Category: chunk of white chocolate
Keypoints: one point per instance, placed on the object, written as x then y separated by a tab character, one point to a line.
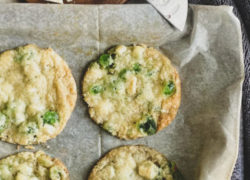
131	85
148	170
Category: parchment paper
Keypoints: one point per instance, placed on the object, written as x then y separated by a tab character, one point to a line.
203	139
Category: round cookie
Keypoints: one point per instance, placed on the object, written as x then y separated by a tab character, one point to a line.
32	166
132	91
37	95
134	163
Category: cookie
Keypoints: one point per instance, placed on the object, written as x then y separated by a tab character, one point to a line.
132	91
37	95
32	166
135	163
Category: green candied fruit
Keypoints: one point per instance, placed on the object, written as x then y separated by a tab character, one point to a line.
50	117
31	130
56	173
137	67
149	126
21	54
169	88
106	60
122	74
114	85
96	89
28	128
150	73
174	171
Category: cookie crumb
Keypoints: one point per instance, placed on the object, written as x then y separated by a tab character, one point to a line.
29	147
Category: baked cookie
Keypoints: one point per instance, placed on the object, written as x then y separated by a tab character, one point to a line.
32	166
134	163
37	95
132	91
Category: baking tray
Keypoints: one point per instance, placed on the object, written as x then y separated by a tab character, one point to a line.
203	139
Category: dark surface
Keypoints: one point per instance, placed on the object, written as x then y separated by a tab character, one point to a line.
242	11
